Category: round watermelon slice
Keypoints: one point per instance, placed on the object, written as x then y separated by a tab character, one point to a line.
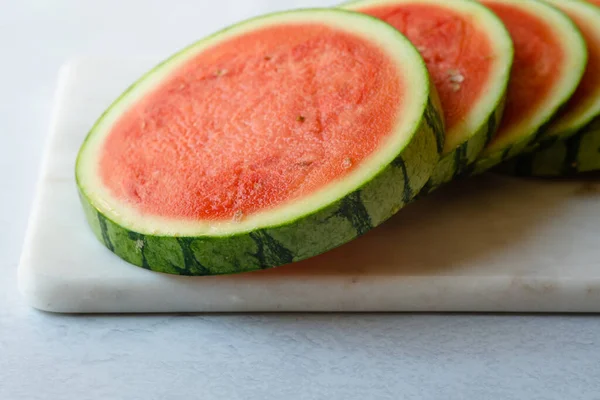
469	54
580	117
550	59
269	142
584	105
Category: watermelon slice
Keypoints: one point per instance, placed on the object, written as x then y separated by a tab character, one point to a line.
580	153
469	55
584	105
269	142
550	59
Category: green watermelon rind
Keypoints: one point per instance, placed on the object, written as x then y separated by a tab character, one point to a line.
565	157
531	137
459	162
341	220
458	157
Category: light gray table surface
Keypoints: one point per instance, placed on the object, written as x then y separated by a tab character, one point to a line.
382	356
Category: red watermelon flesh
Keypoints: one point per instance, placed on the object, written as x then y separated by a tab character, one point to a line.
200	147
589	87
538	65
457	53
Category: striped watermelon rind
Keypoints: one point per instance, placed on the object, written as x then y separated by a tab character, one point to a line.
459	162
567	157
338	214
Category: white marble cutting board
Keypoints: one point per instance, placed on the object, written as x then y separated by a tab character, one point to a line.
488	244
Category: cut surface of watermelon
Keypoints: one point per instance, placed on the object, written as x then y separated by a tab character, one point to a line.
201	146
557	157
550	58
584	105
469	54
269	142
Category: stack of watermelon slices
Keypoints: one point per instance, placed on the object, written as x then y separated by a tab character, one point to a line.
571	142
290	134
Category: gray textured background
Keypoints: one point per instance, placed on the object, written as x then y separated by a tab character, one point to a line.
44	356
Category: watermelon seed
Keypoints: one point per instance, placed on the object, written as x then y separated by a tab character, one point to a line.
238	215
220	72
139	244
457	78
347	163
306	160
267	58
300	118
